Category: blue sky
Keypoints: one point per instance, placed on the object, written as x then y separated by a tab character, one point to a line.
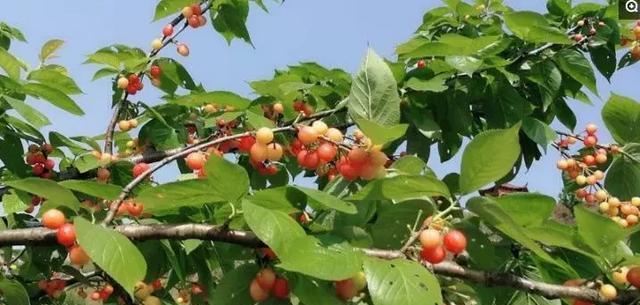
334	33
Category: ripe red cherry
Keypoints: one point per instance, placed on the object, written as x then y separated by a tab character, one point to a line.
633	277
281	288
95	296
103	174
135	209
455	242
49	164
348	171
66	235
311	160
346	289
140	168
196	9
266	279
155	71
38	169
581	302
132	89
421	64
53	219
590	141
196	160
167	30
77	256
435	255
307	135
133	78
268	253
578	37
47	148
194	22
245	143
358	156
327	151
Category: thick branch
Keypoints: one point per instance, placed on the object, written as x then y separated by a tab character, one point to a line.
43	236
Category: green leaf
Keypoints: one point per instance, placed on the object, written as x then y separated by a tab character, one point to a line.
538	131
54	96
93	188
604	58
13	292
168	7
621	115
55	194
389	231
464	64
489	157
314	292
49	48
160	135
402	188
434	84
286	199
86	163
400	281
229	19
374	93
327	200
598	232
104	72
572	62
623	177
55	79
379	134
112	252
527	209
222	98
533	27
451	45
335	262
219	171
410	165
11	203
554	234
169	198
11	155
233	289
275	228
10	64
35	117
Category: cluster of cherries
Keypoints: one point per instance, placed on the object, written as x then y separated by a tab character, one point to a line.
131	84
436	243
130	207
584	27
193	14
65	235
37	157
623	276
266	283
126	125
583	169
214	108
99	294
298	106
53	288
633	44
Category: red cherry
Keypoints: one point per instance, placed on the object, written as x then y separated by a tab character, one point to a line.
132	89
346	289
281	288
135	209
50	164
422	64
633	277
196	161
257	293
455	242
134	78
167	30
578	37
31	159
268	253
95	296
245	143
77	256
38	169
347	170
47	148
327	151
140	168
266	279
590	141
196	9
194	22
358	156
435	255
155	71
66	235
156	284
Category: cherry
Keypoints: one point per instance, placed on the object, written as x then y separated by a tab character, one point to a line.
132	89
636	32
266	279
103	174
124	125
196	160
578	37
95	296
347	170
274	152
346	289
268	253
601	158
581	302
320	127
167	30
455	242
435	255
152	300
259	153
193	21
38	169
135	209
334	135
430	238
591	129
202	20
187	11
245	143
264	136
155	71
360	281
66	235
196	9
589	160
421	64
590	141
307	135
77	256
581	23
281	288
123	83
140	168
608	292
256	292
182	49
308	159
34	148
635	52
156	44
156	284
327	151
633	277
53	219
278	108
49	164
358	156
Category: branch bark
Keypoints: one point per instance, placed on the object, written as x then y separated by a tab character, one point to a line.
43	236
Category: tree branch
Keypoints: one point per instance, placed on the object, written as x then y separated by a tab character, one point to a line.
43	236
